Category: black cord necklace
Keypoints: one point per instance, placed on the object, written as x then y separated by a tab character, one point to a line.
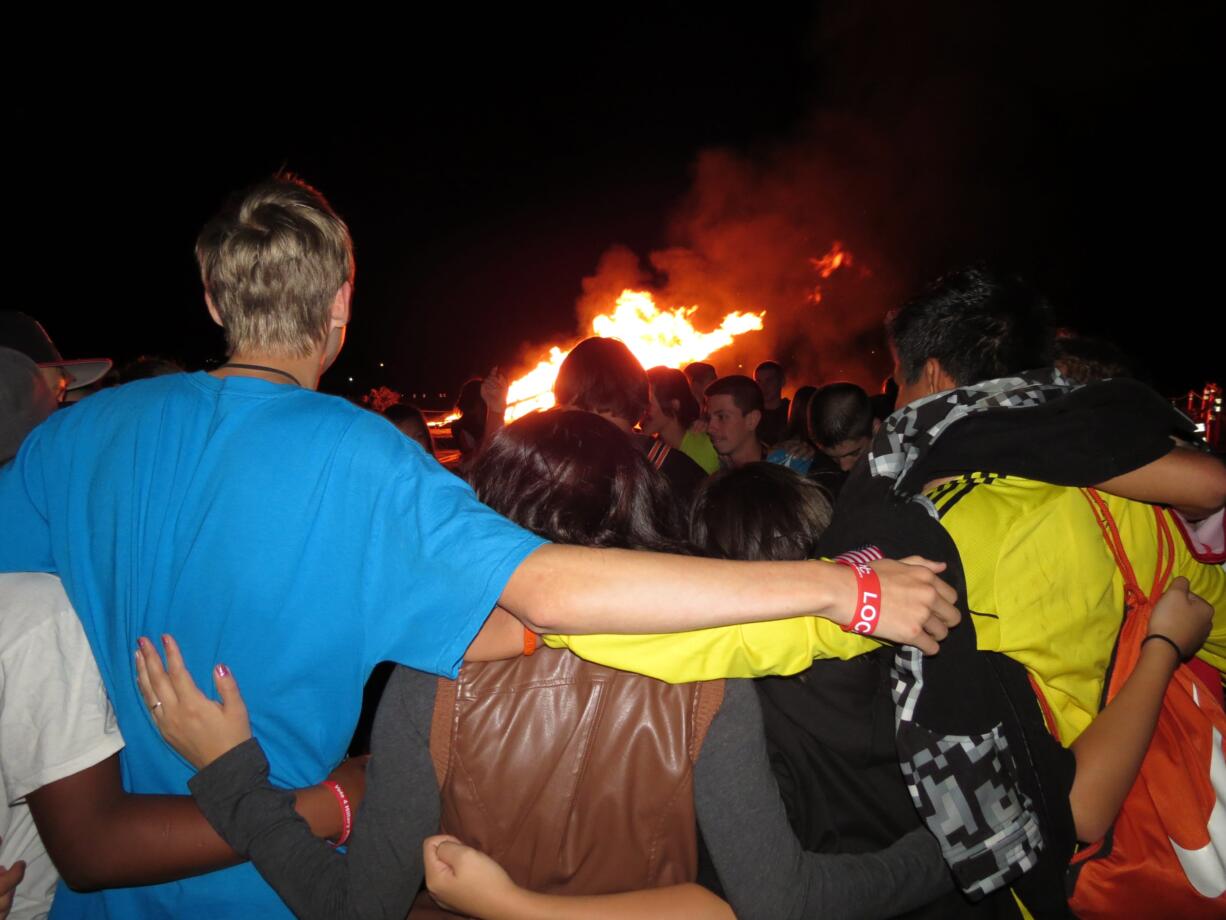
261	367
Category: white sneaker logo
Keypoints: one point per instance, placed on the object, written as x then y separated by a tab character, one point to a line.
1206	867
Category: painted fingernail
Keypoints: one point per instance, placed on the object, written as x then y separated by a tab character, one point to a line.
223	671
165	638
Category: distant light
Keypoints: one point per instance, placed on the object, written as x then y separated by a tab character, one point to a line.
1200	427
380	363
351	380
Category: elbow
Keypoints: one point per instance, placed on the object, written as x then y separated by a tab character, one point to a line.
80	876
1211	493
1090	823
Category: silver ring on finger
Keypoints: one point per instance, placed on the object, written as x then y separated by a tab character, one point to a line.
155	707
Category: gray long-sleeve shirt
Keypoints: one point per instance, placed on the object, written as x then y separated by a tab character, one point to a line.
764	871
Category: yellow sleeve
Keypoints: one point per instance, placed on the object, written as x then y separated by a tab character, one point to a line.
751	650
1208	581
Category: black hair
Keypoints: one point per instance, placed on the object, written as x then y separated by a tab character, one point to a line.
758	511
1083	359
745	393
601	375
770	366
412	424
699	367
671	384
840	412
977	324
572	477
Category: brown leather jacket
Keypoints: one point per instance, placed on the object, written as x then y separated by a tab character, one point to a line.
577	778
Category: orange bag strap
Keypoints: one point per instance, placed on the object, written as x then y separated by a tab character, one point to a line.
1164	564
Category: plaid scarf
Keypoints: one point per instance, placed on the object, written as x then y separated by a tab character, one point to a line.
910	432
965	785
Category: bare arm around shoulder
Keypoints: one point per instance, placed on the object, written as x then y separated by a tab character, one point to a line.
580	590
1109	752
99	836
1191	482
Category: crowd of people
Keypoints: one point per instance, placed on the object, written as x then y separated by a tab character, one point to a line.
680	646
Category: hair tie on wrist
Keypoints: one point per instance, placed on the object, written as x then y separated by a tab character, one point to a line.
868	598
1169	641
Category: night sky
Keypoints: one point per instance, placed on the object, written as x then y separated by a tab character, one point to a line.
485	166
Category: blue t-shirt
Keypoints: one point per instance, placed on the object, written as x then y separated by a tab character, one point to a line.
293	536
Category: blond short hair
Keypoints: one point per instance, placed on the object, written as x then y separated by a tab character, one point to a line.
272	261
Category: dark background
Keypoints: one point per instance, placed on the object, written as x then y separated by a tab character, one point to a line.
485	165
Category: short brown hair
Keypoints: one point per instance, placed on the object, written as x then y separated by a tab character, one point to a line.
746	394
272	261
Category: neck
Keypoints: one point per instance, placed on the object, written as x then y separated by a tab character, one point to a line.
773	403
672	433
306	370
749	452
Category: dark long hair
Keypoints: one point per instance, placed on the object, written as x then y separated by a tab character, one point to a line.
573	477
668	383
758	511
602	375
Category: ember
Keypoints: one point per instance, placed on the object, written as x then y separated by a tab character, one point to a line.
827	265
654	336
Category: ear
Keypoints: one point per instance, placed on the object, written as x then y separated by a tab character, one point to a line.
338	313
752	418
936	378
208	302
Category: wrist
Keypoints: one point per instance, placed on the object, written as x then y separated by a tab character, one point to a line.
838	593
531	905
1157	647
344	811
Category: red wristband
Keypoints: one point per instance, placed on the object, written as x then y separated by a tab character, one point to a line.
346	812
531	641
868	599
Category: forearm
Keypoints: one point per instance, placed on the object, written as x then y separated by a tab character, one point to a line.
1191	482
579	590
149	839
763	869
382	870
685	902
1110	751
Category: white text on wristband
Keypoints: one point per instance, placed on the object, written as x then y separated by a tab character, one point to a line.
868	599
346	812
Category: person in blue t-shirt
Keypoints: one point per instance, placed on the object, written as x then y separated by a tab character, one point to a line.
303	540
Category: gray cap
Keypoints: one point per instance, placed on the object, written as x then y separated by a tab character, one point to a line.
28	336
25	400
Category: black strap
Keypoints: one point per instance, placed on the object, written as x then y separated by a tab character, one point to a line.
261	367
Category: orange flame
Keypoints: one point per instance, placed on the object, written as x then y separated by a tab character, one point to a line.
444	422
653	335
827	265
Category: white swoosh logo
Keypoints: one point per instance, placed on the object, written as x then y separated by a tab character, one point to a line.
1206	867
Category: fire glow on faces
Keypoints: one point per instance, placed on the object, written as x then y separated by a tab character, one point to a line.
729	428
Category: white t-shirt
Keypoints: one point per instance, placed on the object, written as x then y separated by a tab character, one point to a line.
55	720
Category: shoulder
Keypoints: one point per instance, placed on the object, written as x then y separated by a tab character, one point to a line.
31	602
